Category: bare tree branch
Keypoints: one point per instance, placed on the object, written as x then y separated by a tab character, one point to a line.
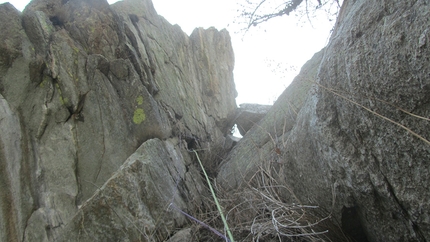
288	8
262	11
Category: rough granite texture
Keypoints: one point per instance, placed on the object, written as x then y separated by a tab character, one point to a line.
355	141
83	85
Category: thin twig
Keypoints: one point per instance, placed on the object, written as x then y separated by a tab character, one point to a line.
199	222
377	114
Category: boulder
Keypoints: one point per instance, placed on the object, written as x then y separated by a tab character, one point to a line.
83	85
139	197
359	145
250	114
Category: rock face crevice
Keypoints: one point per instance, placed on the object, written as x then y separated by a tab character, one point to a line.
83	85
360	139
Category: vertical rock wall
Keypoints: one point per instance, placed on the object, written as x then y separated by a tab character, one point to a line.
359	146
82	86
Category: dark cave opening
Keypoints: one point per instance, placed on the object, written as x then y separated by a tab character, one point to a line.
351	224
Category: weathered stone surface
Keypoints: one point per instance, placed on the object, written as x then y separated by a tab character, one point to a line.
83	85
250	114
16	200
14	189
137	198
355	148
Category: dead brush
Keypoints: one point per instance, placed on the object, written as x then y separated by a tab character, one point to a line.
265	210
262	209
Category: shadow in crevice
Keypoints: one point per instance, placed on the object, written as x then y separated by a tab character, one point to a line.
351	225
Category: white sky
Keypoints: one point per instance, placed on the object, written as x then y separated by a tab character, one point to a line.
282	41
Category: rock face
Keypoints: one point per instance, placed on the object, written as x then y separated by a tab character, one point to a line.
137	198
250	114
359	145
99	106
84	86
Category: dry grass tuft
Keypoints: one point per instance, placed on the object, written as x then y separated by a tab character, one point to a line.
267	211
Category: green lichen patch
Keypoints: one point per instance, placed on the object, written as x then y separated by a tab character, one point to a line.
44	82
139	100
139	116
64	101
